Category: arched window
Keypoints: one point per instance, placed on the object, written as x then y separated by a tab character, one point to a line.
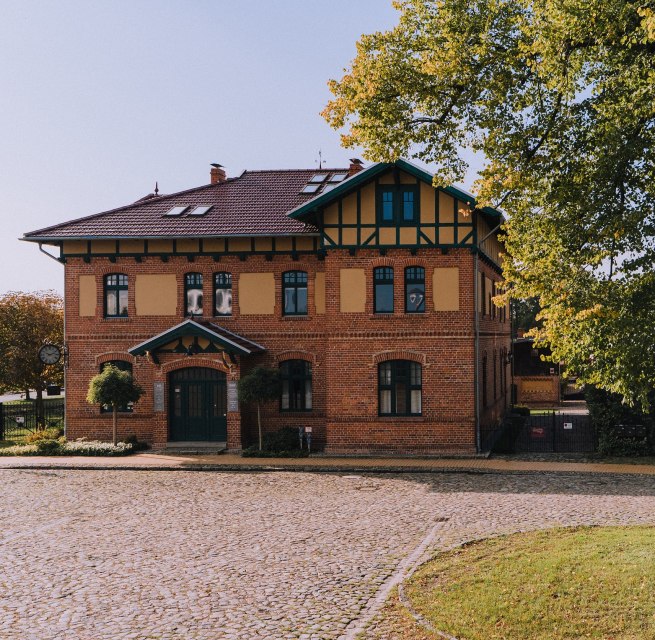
223	294
294	293
115	295
484	381
193	294
296	385
383	290
399	388
415	290
123	366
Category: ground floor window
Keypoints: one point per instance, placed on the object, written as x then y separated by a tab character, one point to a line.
123	366
399	388
296	385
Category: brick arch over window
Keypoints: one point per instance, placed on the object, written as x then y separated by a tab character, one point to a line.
383	356
186	363
115	355
111	268
295	266
382	262
297	355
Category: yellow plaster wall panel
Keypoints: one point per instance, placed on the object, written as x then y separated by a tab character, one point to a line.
103	246
239	244
407	178
331	235
348	236
430	233
256	294
349	209
331	214
283	244
263	244
352	290
188	245
446	208
155	294
445	288
427	203
304	243
213	244
446	235
387	178
160	246
131	246
387	235
319	293
408	235
74	246
87	295
367	203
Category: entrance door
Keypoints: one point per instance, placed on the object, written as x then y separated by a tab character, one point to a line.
198	405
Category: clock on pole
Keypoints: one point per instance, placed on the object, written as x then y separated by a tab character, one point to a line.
49	354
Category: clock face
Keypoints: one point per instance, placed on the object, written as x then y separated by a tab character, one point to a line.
49	354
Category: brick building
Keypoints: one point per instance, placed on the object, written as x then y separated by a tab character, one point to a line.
368	288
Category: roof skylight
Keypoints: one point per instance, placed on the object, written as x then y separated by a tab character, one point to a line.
338	177
319	177
311	188
200	211
176	211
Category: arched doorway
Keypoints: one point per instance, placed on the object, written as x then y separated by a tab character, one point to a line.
197	405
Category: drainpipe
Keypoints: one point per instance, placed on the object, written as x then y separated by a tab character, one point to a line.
476	329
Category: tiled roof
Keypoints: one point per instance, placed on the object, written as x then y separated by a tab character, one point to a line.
255	203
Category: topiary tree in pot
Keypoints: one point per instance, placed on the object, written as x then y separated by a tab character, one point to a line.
115	388
260	385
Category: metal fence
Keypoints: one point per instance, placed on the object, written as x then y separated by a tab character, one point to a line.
547	433
19	419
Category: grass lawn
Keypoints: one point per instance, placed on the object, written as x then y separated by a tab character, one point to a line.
545	585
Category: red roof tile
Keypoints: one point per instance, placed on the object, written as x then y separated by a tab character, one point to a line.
255	203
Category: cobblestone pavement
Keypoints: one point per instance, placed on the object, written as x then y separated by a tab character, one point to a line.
94	555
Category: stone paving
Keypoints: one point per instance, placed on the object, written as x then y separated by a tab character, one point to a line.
94	555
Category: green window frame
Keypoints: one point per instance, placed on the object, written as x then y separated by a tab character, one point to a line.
115	295
222	293
383	290
294	293
414	290
123	365
398	205
296	377
400	388
193	295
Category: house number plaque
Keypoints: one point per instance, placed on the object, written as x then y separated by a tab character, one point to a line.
158	396
232	397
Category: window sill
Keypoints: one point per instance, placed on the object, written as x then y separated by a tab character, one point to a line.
413	418
296	318
116	318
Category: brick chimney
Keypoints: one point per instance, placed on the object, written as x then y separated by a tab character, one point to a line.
356	166
217	174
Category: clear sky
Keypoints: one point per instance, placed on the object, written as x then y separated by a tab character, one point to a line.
98	100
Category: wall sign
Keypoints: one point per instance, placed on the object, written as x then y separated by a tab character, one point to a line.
232	396
568	425
158	396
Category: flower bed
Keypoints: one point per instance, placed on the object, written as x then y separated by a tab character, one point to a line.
62	447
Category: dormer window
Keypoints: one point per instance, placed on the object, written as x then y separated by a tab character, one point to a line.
397	204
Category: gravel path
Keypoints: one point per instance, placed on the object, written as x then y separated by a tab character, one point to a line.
94	555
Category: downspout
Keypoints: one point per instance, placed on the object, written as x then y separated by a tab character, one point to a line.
476	329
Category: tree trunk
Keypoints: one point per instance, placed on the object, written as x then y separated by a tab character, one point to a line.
115	425
27	394
259	424
40	419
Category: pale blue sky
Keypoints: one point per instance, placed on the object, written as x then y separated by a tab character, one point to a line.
100	99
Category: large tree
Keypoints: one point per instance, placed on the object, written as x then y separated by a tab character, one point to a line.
559	97
27	321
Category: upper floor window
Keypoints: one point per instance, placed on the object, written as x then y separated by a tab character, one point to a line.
193	294
296	385
399	388
123	366
115	295
398	204
415	290
294	293
383	290
223	294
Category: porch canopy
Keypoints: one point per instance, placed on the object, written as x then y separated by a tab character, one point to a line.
194	337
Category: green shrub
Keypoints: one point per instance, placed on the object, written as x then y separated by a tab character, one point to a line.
137	445
520	410
49	446
283	443
44	434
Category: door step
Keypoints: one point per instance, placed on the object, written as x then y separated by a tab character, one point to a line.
196	448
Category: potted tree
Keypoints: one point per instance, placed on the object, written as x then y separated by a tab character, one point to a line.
260	385
115	388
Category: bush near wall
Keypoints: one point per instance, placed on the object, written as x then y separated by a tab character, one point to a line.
615	422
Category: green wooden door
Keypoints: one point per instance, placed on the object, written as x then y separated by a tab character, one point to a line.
198	405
